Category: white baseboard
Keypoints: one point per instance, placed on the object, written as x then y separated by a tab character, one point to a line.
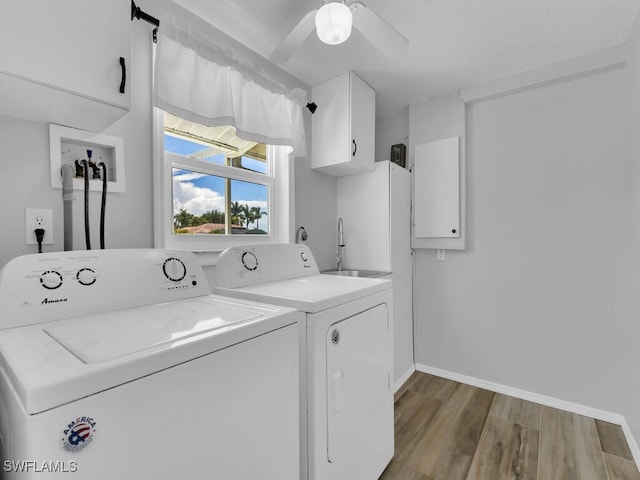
577	408
405	376
631	441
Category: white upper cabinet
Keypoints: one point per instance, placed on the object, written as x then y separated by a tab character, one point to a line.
64	61
344	126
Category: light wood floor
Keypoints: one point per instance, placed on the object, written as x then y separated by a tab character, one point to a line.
450	431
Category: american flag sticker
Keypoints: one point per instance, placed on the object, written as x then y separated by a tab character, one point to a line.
78	434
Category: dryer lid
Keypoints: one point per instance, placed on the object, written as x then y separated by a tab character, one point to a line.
311	294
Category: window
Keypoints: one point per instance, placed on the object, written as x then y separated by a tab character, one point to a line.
214	190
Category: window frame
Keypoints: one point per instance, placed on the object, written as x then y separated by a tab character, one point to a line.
173	160
208	247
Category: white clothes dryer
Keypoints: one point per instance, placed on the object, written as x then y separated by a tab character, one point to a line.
345	355
122	364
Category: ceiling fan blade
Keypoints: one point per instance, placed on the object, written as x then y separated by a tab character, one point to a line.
378	31
294	39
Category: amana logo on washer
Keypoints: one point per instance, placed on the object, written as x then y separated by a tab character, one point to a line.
46	301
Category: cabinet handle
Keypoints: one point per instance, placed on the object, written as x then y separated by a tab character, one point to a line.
355	148
123	80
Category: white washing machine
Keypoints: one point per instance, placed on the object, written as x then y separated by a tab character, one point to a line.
345	354
121	364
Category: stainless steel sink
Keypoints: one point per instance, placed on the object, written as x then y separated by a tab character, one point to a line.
356	273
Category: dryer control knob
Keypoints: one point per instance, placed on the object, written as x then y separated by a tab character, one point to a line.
174	269
249	261
86	276
51	279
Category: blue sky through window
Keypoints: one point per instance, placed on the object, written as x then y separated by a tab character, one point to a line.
198	193
180	146
254	165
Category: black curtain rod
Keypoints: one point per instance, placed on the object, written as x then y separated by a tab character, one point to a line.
136	12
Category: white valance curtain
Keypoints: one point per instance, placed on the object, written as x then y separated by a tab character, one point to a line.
200	80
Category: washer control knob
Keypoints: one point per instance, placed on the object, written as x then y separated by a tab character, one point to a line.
51	279
249	261
303	256
86	276
174	269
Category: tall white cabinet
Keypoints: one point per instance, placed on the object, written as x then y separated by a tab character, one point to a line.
376	212
65	62
343	126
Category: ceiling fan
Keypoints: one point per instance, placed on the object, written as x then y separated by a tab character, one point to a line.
333	21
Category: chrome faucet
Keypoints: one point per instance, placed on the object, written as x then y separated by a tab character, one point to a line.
341	244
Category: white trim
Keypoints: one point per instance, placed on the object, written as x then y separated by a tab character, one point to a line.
185	163
403	379
283	193
604	60
631	441
525	395
576	408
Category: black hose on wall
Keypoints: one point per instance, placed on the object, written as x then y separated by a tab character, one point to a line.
87	236
104	202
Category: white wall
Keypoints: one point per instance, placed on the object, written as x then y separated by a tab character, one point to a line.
391	130
25	177
317	211
25	181
633	175
540	298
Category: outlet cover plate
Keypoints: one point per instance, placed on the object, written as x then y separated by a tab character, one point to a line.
38	218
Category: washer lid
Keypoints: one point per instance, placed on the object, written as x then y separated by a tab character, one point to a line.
51	364
309	294
106	336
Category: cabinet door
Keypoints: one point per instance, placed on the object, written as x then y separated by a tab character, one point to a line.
330	124
343	126
71	45
363	123
436	190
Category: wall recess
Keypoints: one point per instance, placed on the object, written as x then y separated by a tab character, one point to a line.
69	144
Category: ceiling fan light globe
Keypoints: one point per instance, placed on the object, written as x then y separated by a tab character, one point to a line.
333	23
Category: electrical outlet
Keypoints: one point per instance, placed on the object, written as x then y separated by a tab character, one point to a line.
441	255
39	218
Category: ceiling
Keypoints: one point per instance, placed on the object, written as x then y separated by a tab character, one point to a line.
452	43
